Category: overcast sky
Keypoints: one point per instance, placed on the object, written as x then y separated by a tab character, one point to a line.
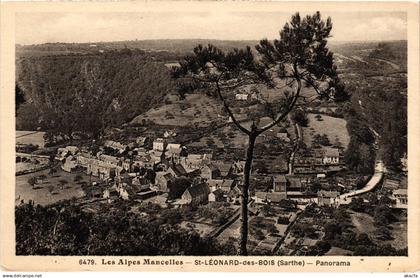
34	28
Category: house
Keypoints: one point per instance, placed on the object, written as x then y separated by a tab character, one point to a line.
193	162
401	198
331	156
294	184
238	167
83	159
177	170
70	164
327	198
156	157
276	197
196	194
110	160
224	184
115	146
216	196
159	144
242	96
391	184
260	197
110	192
279	183
235	193
103	171
163	180
224	167
169	133
142	141
209	172
62	153
227	185
141	182
283	136
215	184
126	164
72	149
173	151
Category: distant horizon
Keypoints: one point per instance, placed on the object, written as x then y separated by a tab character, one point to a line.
200	39
236	25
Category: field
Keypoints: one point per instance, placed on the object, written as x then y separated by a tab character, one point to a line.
334	128
41	194
30	137
194	109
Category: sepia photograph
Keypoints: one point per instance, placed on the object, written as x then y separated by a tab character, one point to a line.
211	132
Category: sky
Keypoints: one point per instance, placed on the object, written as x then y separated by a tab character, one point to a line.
43	27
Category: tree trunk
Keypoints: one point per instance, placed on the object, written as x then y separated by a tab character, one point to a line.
245	194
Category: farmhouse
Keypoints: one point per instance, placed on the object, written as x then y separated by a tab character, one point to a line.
196	194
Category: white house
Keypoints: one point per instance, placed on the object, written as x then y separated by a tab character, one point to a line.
241	96
331	156
400	196
159	144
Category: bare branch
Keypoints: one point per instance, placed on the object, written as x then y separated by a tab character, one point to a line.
281	116
232	116
313	85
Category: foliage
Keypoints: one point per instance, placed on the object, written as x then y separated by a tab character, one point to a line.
76	93
321	140
68	230
299	116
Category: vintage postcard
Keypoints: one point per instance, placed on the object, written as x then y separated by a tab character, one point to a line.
210	136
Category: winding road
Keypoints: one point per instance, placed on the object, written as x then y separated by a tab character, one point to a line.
370	185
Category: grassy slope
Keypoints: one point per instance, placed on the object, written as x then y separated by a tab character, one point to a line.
332	127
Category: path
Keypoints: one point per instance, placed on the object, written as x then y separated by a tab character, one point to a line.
370	185
393	65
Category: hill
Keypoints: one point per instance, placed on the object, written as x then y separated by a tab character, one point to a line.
87	93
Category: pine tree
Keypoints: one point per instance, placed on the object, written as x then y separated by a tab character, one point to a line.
299	57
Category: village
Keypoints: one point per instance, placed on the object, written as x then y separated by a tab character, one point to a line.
154	171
